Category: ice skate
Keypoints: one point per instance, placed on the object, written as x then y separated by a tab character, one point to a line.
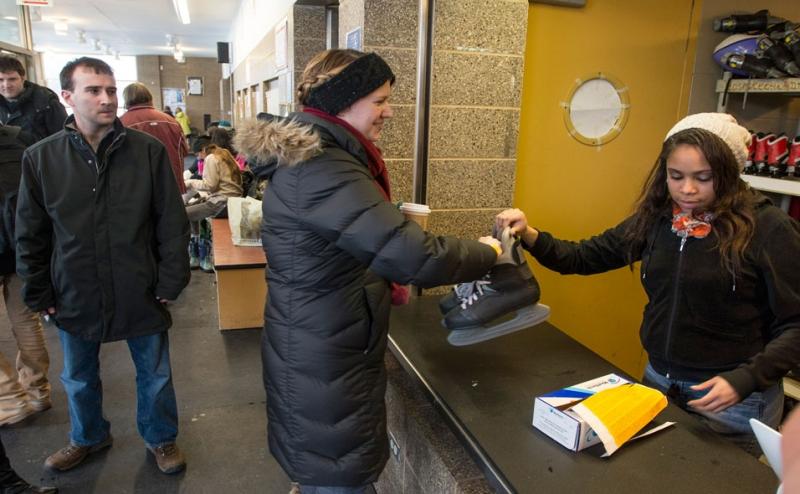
480	310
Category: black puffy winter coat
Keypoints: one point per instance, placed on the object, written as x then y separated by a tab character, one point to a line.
333	243
101	235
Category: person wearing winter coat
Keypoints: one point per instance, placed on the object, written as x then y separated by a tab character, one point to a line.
33	108
720	268
29	112
221	180
102	239
334	244
183	120
143	116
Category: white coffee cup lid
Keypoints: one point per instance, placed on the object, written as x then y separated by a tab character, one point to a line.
411	207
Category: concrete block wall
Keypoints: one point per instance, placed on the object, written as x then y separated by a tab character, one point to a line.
478	55
159	72
428	457
389	28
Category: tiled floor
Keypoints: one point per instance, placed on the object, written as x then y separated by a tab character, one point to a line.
221	404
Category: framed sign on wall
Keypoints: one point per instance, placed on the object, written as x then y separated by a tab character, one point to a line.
195	85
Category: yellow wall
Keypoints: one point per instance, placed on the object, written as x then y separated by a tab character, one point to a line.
575	191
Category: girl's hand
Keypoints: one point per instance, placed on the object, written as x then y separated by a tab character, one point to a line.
516	220
720	396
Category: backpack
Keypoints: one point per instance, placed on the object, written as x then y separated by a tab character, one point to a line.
13	143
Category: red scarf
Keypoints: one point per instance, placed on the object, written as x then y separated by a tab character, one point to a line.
375	160
686	225
377	169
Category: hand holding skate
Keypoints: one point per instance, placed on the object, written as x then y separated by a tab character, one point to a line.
516	220
508	287
493	243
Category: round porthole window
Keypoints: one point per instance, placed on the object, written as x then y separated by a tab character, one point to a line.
596	109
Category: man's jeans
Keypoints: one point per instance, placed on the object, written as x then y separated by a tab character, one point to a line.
156	411
733	422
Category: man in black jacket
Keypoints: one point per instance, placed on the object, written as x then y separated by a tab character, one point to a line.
31	107
102	241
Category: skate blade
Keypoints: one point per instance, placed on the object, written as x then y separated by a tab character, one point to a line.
525	318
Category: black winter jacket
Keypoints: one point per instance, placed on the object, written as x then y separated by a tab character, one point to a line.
333	244
13	142
700	320
36	110
100	236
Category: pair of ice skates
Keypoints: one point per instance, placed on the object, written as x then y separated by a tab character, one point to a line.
477	311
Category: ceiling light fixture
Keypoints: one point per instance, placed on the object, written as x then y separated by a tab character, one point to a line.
81	36
9	18
95	44
182	10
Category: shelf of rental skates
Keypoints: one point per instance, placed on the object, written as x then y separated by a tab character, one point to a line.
760	173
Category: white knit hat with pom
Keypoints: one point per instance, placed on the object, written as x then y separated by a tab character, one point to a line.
724	126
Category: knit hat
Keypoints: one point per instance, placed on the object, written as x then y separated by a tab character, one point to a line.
361	77
723	126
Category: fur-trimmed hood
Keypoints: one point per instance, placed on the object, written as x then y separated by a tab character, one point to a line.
271	138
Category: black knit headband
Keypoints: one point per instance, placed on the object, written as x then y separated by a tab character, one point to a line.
361	77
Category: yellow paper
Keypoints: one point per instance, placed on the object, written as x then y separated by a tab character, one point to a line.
617	414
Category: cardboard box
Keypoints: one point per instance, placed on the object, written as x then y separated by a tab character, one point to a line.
552	414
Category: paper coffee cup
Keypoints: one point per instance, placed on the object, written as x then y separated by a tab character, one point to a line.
418	213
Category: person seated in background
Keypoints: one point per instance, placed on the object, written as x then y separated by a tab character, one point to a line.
223	138
722	324
168	111
221	179
196	169
142	116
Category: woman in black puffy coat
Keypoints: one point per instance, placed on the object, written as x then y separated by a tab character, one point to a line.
334	244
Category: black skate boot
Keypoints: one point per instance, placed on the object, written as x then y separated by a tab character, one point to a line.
508	287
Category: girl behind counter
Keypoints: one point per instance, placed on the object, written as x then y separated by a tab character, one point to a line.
721	269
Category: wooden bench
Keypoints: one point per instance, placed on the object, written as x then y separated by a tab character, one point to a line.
241	282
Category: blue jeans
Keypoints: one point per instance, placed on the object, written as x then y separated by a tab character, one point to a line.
156	411
733	422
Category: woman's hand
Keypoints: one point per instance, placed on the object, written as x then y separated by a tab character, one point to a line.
720	396
493	243
516	219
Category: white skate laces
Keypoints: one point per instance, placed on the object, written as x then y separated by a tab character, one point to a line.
468	293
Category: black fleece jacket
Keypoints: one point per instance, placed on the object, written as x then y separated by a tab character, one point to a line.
701	320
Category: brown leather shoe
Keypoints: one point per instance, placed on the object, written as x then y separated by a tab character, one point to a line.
71	456
169	458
